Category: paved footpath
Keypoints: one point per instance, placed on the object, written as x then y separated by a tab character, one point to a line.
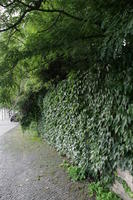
5	126
30	170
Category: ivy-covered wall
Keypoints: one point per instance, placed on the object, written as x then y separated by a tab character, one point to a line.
89	118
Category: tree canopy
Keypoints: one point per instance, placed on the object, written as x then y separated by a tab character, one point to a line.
41	41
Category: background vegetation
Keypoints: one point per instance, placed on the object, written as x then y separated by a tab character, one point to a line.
66	66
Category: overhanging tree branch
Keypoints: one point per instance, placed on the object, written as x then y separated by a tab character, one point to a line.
7	5
36	5
61	12
16	23
51	26
32	8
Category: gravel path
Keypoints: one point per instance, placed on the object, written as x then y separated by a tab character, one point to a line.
30	170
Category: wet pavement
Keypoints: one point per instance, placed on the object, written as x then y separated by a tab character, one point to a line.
6	125
30	170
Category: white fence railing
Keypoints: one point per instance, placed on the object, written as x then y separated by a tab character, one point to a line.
4	114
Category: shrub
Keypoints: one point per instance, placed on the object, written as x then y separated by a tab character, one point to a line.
89	118
33	128
101	193
76	173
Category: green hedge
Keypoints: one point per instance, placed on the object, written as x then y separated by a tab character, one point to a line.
89	117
